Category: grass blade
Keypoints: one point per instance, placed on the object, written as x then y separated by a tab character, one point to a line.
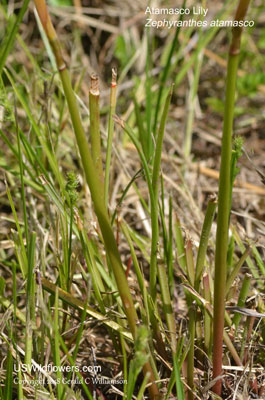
7	47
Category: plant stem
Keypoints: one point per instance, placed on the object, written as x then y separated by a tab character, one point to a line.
236	269
95	124
181	254
190	262
113	91
167	306
242	298
224	199
30	308
190	358
57	359
69	274
191	104
207	319
204	238
155	186
192	320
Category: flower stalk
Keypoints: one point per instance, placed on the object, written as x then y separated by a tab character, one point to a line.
95	125
113	94
224	199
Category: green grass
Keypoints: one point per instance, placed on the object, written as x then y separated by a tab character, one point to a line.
107	258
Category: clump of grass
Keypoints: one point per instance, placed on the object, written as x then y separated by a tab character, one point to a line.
92	165
85	258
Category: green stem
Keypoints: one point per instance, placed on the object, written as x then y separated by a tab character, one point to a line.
190	359
222	223
155	186
207	318
95	124
191	103
69	275
21	171
57	359
113	91
190	262
236	269
242	298
192	320
208	220
30	308
167	306
224	200
181	254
